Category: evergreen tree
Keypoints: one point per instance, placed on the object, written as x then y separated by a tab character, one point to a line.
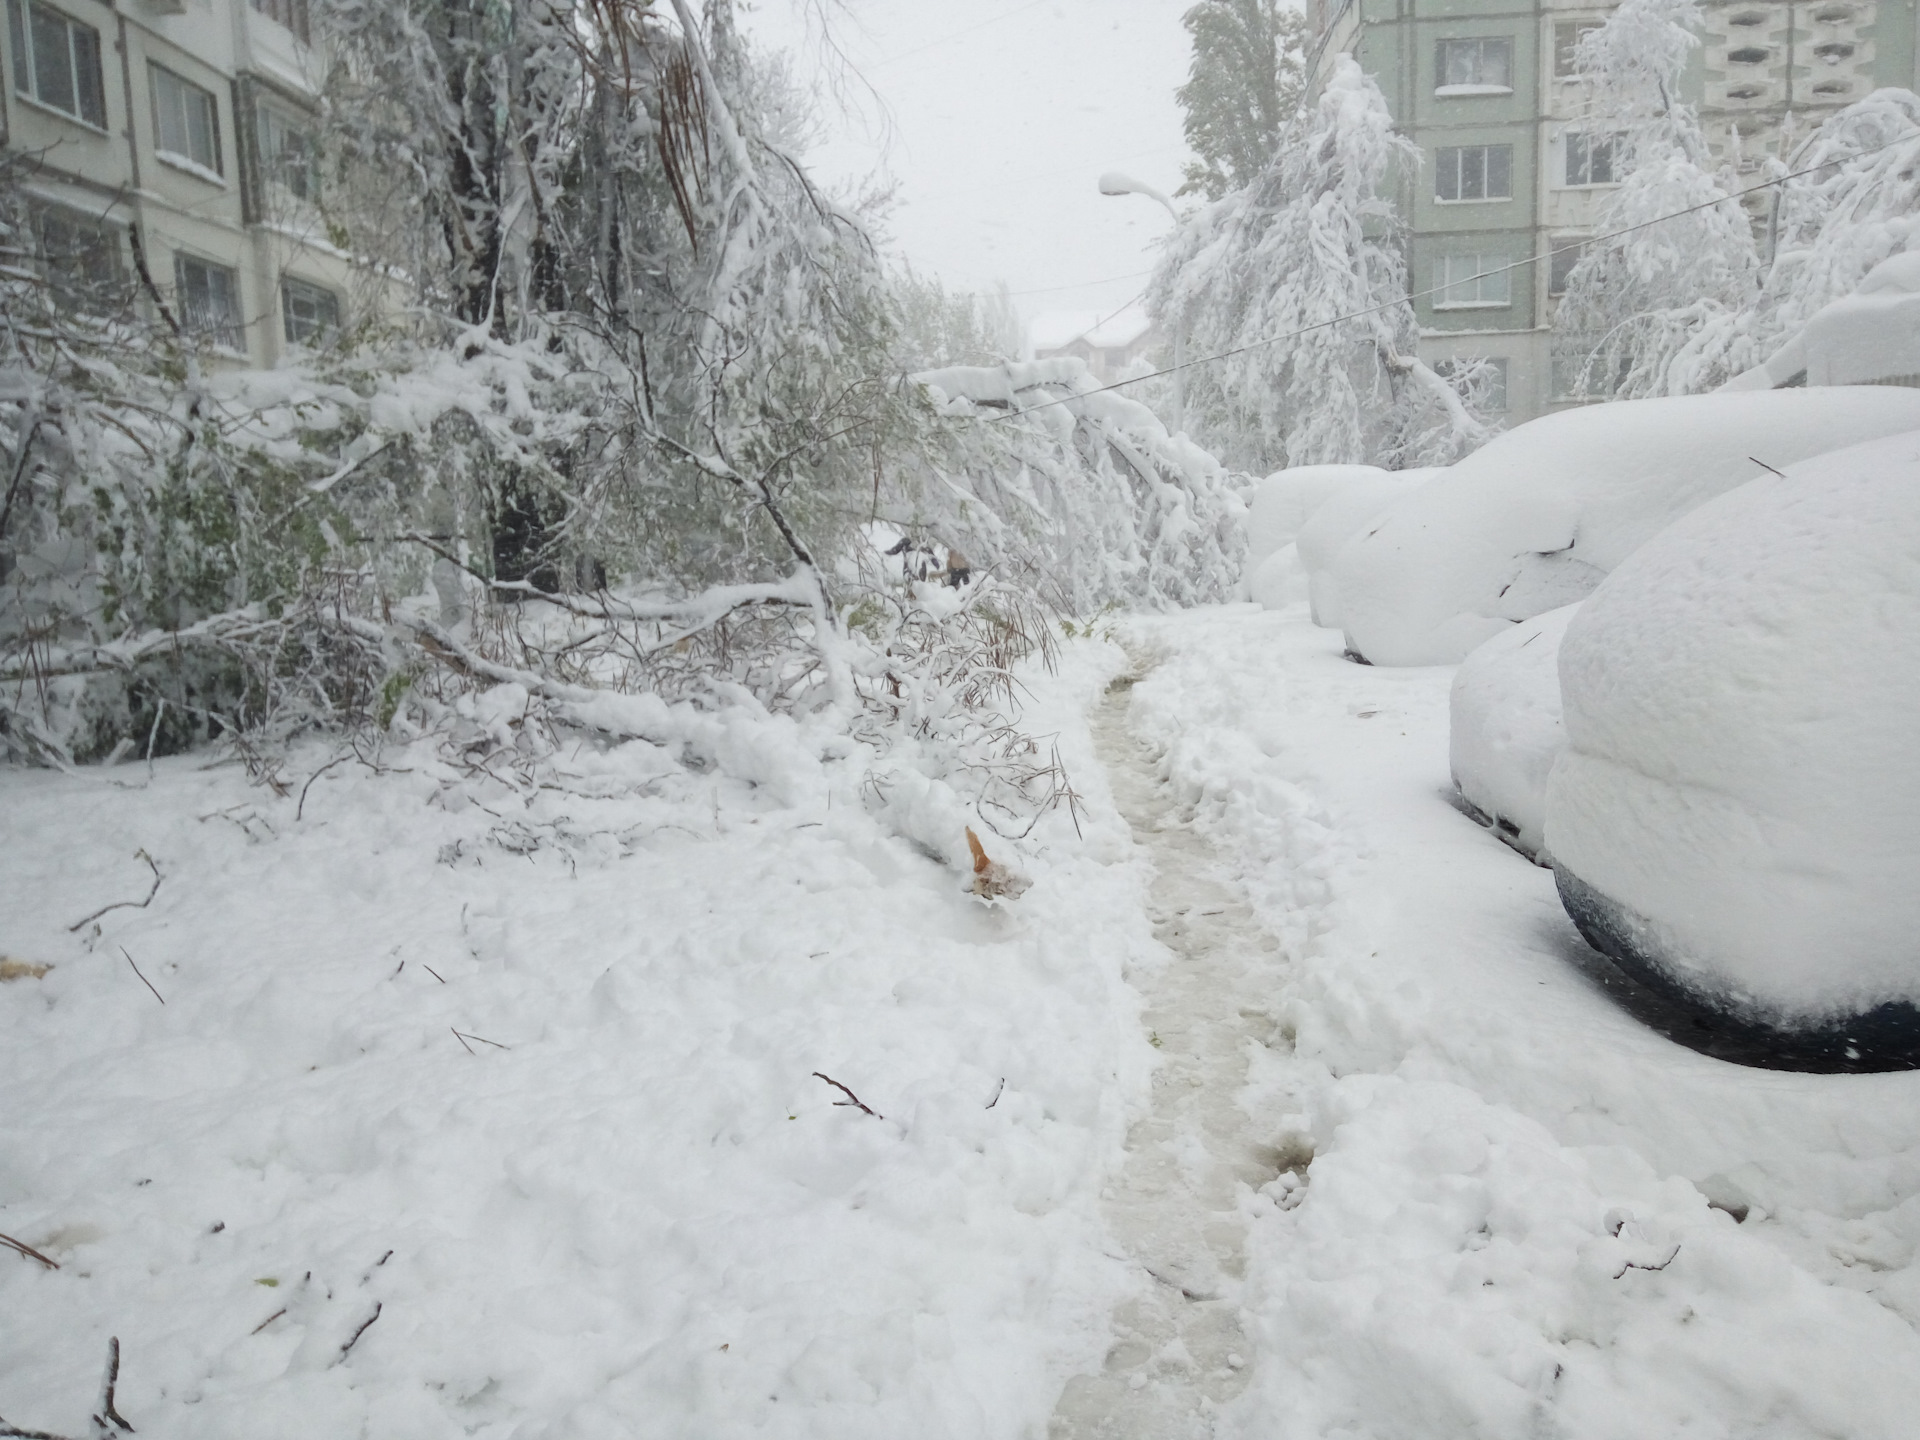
1245	84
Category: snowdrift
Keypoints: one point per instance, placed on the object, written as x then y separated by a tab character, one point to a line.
1283	503
1505	730
1737	817
1537	518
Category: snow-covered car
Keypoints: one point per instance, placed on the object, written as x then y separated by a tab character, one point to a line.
1504	729
1337	520
1871	337
1736	818
1539	516
1282	505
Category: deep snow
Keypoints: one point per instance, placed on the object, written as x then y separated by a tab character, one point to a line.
1476	1191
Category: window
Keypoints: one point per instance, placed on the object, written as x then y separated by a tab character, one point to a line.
1481	381
57	61
311	314
1460	282
1473	172
209	297
290	13
186	124
80	257
1566	254
1474	66
1590	159
288	159
1567	35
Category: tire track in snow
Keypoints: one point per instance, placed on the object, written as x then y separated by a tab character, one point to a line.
1178	1352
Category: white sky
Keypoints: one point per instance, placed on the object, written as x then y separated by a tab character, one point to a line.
1000	117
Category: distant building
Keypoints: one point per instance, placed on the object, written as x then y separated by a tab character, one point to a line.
188	124
1486	89
1109	344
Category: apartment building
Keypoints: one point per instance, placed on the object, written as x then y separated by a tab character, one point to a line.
171	141
1515	166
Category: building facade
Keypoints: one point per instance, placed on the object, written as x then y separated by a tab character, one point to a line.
1514	168
166	153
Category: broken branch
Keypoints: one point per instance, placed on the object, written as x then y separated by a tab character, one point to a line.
852	1099
143	979
379	1305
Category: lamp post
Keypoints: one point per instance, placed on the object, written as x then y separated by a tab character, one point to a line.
1115	183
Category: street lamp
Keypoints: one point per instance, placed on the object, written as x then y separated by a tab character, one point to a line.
1115	183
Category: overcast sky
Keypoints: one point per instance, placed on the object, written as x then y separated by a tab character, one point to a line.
999	118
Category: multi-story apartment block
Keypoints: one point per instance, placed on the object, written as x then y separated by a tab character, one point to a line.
1515	165
171	142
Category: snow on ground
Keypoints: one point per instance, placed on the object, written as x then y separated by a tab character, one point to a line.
1486	1115
623	1204
613	1227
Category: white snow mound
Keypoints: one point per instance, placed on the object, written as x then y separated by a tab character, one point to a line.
1342	516
1537	518
1868	336
1505	731
1740	699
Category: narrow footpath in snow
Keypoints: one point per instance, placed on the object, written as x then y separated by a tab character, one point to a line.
1178	1351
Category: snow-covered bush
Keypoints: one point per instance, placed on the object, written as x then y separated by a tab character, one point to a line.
1737	816
1298	282
1538	518
1504	730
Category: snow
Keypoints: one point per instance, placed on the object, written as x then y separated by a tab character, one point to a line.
1504	730
1338	520
644	1211
1536	519
1452	1183
1740	701
1282	505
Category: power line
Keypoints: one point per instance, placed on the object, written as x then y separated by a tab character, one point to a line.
1436	289
1084	285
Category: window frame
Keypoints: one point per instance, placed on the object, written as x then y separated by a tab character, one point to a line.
1590	143
273	124
22	37
1444	86
70	285
1565	49
293	16
159	77
1563	253
322	332
228	332
1471	264
1458	154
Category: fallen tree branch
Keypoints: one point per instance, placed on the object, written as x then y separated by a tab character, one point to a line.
125	904
27	1251
106	1413
852	1099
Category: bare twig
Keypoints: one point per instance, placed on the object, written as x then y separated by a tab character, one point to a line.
1765	466
143	979
852	1099
268	1321
27	1251
998	1090
471	1051
15	1431
1636	1265
463	1037
354	1339
301	808
109	1385
433	972
124	904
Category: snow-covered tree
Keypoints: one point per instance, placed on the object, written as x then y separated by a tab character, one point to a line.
1298	284
1244	85
1636	303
